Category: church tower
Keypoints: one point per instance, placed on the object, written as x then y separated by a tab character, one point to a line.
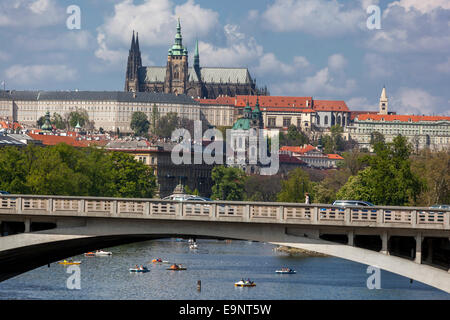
383	102
134	63
177	66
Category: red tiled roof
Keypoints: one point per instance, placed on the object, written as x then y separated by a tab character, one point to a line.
354	114
330	105
286	158
398	117
9	125
219	101
298	149
274	101
51	140
334	156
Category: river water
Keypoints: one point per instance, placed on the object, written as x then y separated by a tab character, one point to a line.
218	265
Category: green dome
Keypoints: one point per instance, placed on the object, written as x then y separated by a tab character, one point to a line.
242	124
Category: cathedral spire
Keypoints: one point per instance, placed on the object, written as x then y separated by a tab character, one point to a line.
196	56
178	49
383	102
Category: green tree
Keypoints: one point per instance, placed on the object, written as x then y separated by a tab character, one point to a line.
294	188
80	116
139	123
58	121
293	137
388	179
154	118
434	167
228	183
262	188
167	124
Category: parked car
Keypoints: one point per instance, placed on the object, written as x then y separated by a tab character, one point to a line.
347	203
4	192
441	206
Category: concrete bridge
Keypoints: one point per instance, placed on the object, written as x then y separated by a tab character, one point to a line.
410	241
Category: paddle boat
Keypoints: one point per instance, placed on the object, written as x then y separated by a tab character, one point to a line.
176	267
69	262
193	246
159	260
140	269
286	271
244	283
103	253
97	253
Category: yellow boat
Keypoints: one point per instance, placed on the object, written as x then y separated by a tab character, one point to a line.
245	284
65	262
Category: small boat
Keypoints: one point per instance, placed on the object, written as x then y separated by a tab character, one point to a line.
191	241
103	253
193	246
69	262
176	267
139	270
243	283
286	271
159	260
98	253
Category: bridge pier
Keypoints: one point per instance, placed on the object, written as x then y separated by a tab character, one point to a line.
384	243
27	225
418	238
350	236
429	258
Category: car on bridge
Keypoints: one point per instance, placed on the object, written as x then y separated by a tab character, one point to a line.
4	192
441	206
348	203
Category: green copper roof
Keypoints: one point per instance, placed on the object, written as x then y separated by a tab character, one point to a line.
242	124
47	126
178	49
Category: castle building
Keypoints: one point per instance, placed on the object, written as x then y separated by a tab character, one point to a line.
179	78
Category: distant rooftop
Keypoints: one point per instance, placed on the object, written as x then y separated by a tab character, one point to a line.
119	96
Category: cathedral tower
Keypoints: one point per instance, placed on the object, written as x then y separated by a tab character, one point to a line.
134	63
177	66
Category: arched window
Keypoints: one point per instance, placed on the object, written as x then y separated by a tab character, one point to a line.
326	120
318	120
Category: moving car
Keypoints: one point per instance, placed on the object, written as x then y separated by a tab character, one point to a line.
347	203
4	192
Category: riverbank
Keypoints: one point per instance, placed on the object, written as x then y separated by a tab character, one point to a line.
298	251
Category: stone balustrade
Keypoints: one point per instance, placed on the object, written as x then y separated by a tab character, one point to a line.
265	212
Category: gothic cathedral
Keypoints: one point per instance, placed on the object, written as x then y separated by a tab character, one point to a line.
178	78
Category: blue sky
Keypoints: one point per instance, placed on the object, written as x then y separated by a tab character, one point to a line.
319	48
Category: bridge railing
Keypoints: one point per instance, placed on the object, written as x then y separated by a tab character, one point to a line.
417	217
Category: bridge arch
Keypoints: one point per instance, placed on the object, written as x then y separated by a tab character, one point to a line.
23	252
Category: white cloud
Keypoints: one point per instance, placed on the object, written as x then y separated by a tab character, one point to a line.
108	55
239	51
31	13
421	5
156	21
337	61
35	74
415	101
378	66
361	103
412	26
444	67
317	17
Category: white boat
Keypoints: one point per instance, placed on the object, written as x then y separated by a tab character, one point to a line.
103	253
243	283
286	271
193	246
139	270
